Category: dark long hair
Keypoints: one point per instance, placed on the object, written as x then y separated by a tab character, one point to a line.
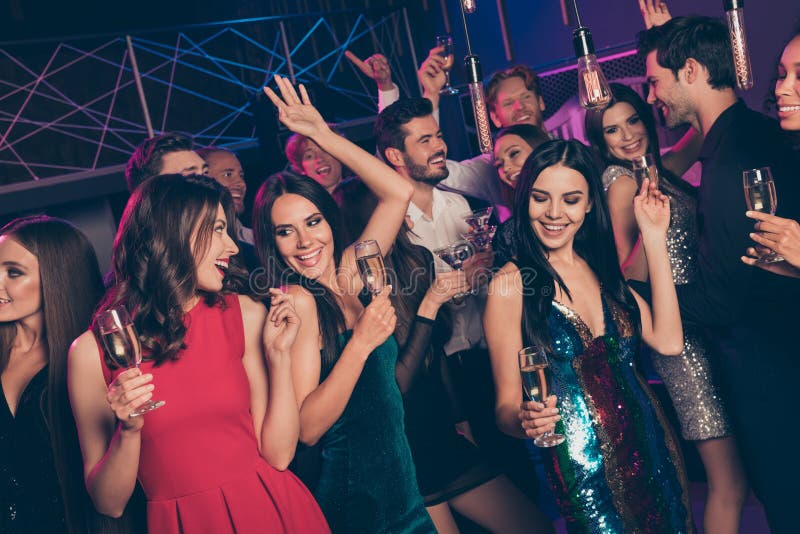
594	241
277	272
70	287
594	132
153	261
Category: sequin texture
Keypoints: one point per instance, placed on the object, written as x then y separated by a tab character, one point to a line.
688	377
619	469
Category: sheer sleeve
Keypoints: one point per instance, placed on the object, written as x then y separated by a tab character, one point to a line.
413	353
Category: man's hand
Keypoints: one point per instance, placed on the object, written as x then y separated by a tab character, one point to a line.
375	67
431	75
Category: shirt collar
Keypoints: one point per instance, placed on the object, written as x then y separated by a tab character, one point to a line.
719	129
440	200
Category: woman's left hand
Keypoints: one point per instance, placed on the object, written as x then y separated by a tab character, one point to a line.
282	326
296	112
651	209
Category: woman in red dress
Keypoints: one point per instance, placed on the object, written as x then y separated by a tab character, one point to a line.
214	458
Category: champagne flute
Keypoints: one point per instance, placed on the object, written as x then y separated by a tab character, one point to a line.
537	384
445	41
645	167
121	343
370	265
760	195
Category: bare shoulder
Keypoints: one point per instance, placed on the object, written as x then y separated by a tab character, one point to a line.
303	299
505	280
84	347
251	308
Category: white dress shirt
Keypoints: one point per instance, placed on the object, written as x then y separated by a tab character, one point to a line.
445	228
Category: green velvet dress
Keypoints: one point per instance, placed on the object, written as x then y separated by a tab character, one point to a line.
368	483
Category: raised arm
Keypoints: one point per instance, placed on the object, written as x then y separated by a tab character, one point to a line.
620	206
684	153
393	191
661	325
654	12
267	362
110	439
377	68
322	403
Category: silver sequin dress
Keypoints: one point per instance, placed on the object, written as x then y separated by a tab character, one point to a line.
688	377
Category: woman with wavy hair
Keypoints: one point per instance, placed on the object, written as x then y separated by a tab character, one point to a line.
49	285
345	357
619	468
212	459
624	129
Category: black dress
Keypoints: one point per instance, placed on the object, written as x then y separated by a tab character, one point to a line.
31	498
447	464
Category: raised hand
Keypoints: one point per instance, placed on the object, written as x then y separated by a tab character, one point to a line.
375	67
282	326
126	394
651	209
431	74
654	12
478	268
296	112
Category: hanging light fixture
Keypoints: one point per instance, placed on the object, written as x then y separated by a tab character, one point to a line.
475	84
593	89
734	13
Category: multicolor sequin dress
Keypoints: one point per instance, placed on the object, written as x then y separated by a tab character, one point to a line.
688	378
619	470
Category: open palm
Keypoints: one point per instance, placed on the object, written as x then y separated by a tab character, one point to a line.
296	112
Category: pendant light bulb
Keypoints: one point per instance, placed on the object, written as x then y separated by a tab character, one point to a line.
593	89
734	13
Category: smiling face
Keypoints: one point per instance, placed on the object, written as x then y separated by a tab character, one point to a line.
20	284
303	237
558	206
787	88
425	155
212	263
320	166
516	104
510	153
225	168
624	132
667	93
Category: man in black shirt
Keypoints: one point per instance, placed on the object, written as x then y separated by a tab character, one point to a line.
747	312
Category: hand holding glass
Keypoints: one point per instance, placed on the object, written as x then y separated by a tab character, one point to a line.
446	43
370	265
645	167
455	255
760	195
122	347
537	384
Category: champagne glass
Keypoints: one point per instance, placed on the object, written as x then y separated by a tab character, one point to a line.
537	384
370	265
478	219
645	167
122	347
446	42
760	195
455	255
481	239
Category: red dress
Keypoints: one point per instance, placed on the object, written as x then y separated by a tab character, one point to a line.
199	463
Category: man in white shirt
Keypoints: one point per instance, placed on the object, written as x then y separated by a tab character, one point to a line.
409	139
512	95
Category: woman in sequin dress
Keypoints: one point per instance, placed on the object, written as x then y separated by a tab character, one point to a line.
619	469
621	131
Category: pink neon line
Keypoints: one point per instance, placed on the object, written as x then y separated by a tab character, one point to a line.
110	109
600	60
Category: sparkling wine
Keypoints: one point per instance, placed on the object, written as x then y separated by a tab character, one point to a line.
761	196
122	347
373	272
448	62
536	381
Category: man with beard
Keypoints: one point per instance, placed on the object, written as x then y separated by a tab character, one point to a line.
409	139
749	313
512	96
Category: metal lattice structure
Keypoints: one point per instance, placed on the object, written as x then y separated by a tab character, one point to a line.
72	105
